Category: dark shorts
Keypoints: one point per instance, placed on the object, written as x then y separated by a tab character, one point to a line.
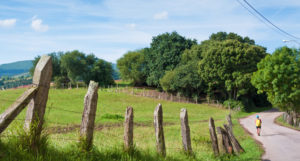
258	127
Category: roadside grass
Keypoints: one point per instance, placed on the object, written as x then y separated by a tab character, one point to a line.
63	118
279	120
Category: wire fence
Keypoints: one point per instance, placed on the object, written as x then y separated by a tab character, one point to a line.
68	127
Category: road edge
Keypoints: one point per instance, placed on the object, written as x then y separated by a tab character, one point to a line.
281	124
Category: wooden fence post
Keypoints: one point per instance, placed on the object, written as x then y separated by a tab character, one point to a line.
228	118
213	136
185	131
159	131
12	112
88	116
128	129
235	144
223	141
37	106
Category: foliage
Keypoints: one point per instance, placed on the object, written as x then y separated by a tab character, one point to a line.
184	79
164	54
132	67
227	66
278	76
76	66
222	36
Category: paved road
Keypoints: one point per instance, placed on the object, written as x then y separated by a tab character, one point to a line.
280	143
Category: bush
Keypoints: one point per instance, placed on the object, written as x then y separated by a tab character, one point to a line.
234	104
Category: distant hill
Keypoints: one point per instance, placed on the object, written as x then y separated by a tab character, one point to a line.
15	68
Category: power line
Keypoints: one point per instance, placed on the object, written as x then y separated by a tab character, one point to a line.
253	14
267	20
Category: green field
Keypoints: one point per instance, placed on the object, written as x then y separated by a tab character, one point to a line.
63	117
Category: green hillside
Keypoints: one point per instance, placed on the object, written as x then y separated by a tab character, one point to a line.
19	67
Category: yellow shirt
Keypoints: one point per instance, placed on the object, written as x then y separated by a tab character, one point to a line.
258	122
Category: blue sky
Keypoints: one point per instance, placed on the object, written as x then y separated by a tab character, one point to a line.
110	28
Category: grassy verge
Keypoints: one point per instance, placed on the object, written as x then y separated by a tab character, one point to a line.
63	117
279	120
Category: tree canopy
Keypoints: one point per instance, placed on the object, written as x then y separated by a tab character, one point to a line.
279	76
132	67
164	54
228	65
76	66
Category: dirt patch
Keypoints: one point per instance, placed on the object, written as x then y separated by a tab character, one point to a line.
98	127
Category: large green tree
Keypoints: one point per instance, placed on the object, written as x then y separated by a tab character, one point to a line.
74	63
227	66
279	76
185	78
132	67
164	54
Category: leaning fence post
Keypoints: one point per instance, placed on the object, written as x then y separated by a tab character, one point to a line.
235	144
228	118
128	129
185	131
223	141
159	131
88	116
213	136
37	106
13	111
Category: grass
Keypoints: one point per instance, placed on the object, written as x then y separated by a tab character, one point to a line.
279	120
63	118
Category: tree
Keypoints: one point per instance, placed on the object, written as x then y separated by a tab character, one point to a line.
101	72
132	67
164	54
55	64
279	76
227	66
185	78
74	63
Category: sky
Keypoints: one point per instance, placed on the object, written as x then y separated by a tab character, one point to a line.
110	28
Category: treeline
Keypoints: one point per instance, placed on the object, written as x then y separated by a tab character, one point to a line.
71	67
219	68
14	81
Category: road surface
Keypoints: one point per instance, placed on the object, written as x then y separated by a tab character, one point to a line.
280	143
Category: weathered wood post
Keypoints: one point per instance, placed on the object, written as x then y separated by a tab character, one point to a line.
228	118
213	136
159	131
37	106
223	141
128	129
88	116
237	148
12	112
185	131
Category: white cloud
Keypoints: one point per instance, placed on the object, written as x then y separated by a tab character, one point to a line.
8	23
37	25
131	26
161	16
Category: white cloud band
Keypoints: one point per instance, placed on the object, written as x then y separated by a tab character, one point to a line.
8	23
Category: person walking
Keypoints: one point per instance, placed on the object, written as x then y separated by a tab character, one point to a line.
258	125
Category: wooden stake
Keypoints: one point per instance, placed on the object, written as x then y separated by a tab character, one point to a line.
185	131
128	129
159	131
88	116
